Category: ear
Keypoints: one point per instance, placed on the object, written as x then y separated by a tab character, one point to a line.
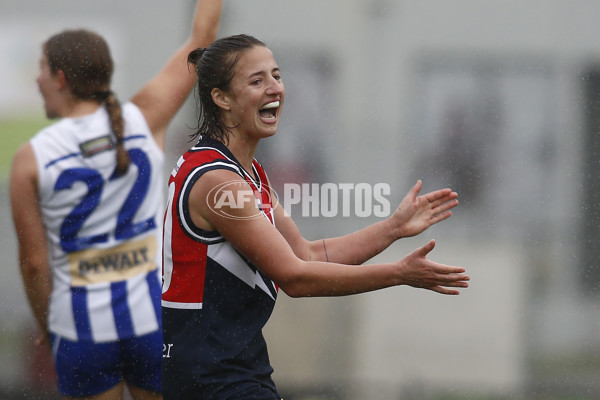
61	80
221	99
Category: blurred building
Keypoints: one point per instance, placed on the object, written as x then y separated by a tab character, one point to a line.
497	99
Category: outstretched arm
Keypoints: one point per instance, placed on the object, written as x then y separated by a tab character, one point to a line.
414	215
261	243
160	99
29	227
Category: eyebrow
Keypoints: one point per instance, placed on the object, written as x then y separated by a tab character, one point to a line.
257	73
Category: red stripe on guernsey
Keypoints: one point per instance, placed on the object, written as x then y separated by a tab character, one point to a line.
187	281
184	262
262	191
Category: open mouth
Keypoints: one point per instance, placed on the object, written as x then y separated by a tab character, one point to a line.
269	111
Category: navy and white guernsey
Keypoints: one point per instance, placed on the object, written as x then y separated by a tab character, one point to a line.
214	301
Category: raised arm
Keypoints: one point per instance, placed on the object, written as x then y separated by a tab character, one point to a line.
29	227
160	99
414	215
260	242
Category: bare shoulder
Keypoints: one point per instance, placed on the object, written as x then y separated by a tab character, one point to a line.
217	194
24	167
24	196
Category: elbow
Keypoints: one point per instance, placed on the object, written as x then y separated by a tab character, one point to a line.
296	280
32	270
294	291
295	287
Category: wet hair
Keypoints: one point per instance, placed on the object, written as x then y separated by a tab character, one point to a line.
85	60
215	68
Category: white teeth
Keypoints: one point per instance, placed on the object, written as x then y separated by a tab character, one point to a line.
273	104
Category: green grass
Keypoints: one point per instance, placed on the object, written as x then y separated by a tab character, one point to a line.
14	131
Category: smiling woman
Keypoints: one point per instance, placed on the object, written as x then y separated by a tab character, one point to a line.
246	93
228	248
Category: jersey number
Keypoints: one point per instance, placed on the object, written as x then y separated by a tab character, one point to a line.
69	230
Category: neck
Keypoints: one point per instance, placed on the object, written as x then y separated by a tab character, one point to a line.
81	108
243	150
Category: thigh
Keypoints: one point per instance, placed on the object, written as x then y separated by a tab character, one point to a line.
141	361
85	368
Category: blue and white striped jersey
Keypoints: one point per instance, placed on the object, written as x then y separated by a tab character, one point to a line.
103	229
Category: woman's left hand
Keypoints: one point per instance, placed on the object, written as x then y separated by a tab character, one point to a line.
417	213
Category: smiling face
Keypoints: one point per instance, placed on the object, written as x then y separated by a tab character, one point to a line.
256	94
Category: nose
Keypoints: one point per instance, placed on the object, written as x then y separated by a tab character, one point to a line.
275	87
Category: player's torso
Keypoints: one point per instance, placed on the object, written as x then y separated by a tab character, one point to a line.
103	228
209	289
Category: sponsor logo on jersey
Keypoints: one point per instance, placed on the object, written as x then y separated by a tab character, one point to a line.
113	264
96	145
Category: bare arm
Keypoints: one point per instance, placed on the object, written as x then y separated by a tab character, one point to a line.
414	215
267	248
30	230
161	98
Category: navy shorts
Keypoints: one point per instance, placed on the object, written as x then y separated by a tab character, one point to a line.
87	368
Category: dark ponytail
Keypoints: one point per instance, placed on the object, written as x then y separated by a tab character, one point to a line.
215	67
195	56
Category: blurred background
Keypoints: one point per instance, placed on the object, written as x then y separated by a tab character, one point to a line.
498	99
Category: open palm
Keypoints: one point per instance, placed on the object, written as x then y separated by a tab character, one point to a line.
417	213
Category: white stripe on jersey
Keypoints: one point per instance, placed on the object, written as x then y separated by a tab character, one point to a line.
181	306
103	323
143	317
167	240
64	319
224	254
